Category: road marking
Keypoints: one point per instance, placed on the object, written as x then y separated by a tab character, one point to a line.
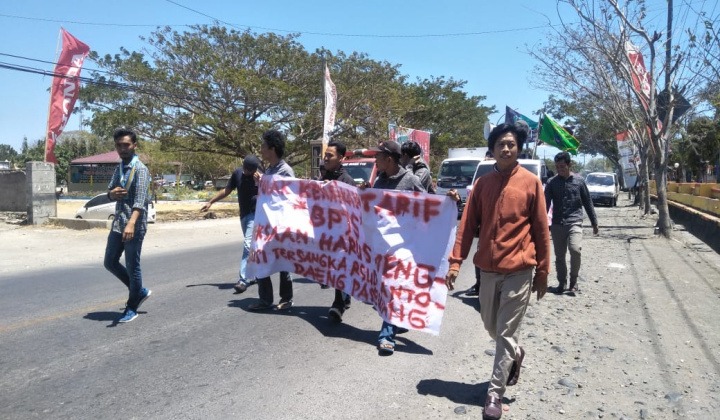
37	321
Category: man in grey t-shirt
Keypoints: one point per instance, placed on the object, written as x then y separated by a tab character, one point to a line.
272	151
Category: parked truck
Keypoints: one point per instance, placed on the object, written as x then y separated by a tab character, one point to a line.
457	171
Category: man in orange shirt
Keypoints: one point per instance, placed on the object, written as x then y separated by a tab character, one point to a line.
513	253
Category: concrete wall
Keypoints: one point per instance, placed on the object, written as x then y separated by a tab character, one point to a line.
40	192
12	191
705	227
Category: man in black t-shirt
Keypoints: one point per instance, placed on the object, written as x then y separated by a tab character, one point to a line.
247	190
334	171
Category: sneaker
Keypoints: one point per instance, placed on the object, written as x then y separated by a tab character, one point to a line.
250	282
260	306
128	316
240	287
493	408
335	314
284	304
147	294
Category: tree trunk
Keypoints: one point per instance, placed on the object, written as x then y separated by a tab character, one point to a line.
664	221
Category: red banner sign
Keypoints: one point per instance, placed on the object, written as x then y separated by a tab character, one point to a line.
65	89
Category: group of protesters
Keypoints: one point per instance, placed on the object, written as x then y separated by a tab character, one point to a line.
507	209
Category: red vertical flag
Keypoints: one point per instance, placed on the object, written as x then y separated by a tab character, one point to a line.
64	89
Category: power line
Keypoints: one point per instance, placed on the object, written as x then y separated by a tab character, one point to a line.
301	32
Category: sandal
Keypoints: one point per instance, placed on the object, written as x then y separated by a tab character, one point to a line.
386	348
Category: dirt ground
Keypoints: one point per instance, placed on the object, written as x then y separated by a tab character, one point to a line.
167	211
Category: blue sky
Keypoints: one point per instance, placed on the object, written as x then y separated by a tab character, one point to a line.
482	42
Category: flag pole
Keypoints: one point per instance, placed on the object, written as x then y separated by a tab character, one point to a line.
47	124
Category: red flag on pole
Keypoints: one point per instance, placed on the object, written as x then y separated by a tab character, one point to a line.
64	89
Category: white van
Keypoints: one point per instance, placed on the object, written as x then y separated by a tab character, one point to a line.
457	173
535	166
603	187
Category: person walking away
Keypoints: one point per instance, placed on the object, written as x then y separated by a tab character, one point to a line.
129	189
243	181
508	207
568	195
334	171
272	151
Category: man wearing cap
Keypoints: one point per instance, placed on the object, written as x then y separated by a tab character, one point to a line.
247	190
392	176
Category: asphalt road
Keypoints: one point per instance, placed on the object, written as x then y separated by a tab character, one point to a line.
195	352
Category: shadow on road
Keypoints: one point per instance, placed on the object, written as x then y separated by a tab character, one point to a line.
317	316
220	286
106	316
457	392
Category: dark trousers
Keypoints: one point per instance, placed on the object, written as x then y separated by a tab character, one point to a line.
265	288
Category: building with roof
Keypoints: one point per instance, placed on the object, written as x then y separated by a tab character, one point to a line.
92	173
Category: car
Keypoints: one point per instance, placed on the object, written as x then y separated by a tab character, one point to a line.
101	207
603	187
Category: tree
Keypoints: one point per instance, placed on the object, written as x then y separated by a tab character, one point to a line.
210	90
442	107
592	56
8	153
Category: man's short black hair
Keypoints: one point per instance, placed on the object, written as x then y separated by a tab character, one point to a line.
411	149
563	157
339	147
122	132
275	140
519	130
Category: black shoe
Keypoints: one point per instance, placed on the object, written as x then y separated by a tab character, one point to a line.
473	291
284	304
324	286
558	290
335	314
347	303
240	287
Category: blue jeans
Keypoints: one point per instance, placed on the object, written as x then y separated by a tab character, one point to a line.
130	274
247	224
387	333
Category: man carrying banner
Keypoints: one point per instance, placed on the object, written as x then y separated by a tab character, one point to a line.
392	176
412	160
129	188
508	207
334	171
243	180
568	194
272	151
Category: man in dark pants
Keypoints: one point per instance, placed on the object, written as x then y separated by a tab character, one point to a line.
129	189
568	194
242	180
334	171
272	151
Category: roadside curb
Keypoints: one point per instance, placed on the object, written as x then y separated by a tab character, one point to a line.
79	224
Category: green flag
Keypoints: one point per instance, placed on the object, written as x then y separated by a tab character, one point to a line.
554	134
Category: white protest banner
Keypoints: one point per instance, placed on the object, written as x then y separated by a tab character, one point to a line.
386	248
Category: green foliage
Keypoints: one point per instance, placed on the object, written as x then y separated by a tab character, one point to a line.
8	153
454	118
699	143
212	91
